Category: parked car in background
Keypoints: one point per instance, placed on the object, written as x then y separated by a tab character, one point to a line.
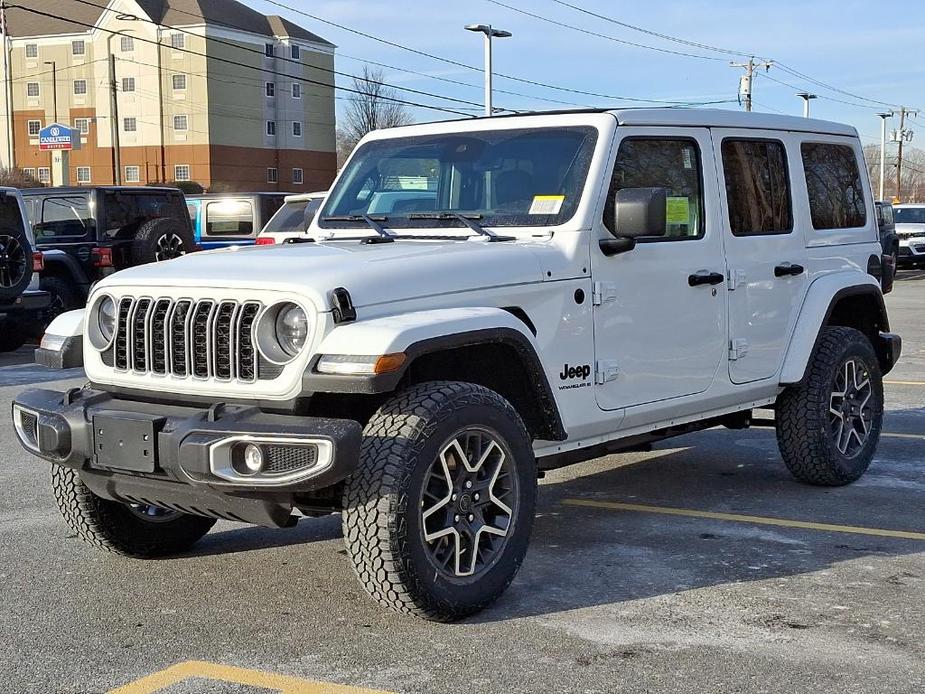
889	242
85	234
22	302
293	219
910	229
231	219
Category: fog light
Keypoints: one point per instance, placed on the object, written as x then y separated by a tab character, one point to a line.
253	458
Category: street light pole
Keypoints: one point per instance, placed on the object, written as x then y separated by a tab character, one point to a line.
806	96
54	89
883	117
489	33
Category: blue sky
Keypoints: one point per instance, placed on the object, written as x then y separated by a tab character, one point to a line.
847	45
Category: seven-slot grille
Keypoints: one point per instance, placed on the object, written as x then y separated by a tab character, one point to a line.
202	338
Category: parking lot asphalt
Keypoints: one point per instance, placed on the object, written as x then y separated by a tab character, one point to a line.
700	566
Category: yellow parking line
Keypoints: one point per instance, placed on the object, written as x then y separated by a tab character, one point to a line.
904	383
236	675
760	520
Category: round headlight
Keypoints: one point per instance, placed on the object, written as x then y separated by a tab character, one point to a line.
106	316
291	329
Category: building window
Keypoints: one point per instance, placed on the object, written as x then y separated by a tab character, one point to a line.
32	50
29	172
129	125
80	87
271	90
82	125
34	127
271	128
181	172
272	175
178	40
78	48
83	174
179	82
127	44
132	174
297	176
32	88
44	174
296	90
128	84
757	187
833	181
296	128
180	123
268	50
295	52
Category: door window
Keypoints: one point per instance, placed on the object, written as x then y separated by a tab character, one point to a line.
662	163
757	187
229	218
833	181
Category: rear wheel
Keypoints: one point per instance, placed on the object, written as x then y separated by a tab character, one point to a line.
15	263
828	426
437	517
133	530
64	297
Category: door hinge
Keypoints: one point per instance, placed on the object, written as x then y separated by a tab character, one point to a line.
738	348
603	293
605	371
735	278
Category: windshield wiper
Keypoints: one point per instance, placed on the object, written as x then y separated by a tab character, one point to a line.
468	220
373	222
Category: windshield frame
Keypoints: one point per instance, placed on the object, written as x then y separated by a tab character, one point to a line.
589	149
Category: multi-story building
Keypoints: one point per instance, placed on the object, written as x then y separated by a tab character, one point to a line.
204	90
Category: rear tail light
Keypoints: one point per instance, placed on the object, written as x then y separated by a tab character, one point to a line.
102	257
264	241
38	261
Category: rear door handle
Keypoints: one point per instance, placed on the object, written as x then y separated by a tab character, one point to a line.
705	277
788	270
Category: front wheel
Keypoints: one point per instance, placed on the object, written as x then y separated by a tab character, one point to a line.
828	426
133	530
437	516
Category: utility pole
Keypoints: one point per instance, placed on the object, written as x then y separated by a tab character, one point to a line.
114	123
54	89
901	136
883	117
745	81
7	86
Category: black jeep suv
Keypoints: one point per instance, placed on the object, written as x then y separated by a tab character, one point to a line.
87	233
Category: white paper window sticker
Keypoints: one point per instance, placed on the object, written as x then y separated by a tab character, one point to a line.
686	158
546	204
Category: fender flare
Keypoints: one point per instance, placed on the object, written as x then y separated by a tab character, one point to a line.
426	332
58	257
821	298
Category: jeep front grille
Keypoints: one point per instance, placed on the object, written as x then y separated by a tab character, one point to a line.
200	338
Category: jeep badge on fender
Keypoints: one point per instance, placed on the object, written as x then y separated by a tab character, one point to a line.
236	386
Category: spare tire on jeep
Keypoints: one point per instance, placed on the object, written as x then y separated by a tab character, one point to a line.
161	239
15	263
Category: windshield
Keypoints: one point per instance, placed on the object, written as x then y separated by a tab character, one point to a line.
501	177
293	217
909	215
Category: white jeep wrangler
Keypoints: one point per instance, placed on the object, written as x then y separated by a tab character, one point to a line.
482	300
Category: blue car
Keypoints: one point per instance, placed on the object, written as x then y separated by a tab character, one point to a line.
230	219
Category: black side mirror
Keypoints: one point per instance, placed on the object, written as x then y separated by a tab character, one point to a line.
637	212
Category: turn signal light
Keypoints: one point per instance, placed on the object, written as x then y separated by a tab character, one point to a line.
102	257
38	261
264	241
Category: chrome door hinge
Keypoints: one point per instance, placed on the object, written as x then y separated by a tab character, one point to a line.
735	278
606	370
738	348
603	293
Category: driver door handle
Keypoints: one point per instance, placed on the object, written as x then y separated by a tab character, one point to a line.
788	270
705	277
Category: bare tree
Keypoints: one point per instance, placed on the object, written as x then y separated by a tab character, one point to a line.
18	178
372	106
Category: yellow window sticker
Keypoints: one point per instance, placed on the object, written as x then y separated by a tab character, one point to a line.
546	204
678	210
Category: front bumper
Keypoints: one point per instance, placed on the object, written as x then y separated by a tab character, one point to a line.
184	457
912	249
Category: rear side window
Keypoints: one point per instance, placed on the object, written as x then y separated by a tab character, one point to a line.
757	187
833	180
229	218
61	217
662	163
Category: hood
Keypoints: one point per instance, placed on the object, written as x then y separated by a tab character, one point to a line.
910	229
372	273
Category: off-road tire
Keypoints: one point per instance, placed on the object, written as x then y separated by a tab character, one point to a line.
64	297
804	434
382	522
112	527
13	335
15	263
145	247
